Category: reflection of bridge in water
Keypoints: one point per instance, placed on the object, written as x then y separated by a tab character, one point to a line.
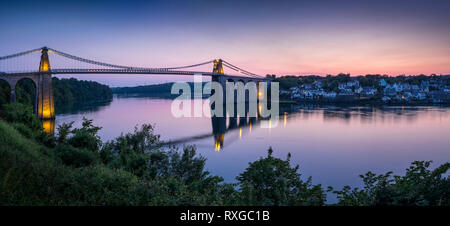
337	112
232	121
12	72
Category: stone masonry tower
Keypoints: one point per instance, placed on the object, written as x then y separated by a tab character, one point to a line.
45	105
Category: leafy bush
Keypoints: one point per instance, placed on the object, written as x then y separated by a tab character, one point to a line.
418	187
24	130
75	157
86	136
20	113
272	181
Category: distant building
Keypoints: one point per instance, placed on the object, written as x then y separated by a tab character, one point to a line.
383	83
368	91
415	88
439	96
308	94
424	83
447	89
329	95
406	86
297	96
353	83
318	84
307	86
398	87
418	95
386	99
390	91
406	96
294	89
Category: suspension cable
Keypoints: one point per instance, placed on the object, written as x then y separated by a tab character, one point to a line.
239	69
84	60
19	54
121	66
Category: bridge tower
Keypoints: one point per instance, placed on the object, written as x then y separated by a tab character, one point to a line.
45	104
218	66
218	70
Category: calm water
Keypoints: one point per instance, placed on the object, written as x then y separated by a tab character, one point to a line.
332	144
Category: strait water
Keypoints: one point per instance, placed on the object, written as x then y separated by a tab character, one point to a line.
333	144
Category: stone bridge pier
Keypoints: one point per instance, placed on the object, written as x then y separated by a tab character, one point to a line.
44	106
221	78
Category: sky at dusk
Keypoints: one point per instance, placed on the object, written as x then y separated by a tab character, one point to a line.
264	37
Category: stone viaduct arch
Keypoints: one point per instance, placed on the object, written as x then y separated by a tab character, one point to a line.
44	105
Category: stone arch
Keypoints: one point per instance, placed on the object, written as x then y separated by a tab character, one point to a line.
5	91
26	91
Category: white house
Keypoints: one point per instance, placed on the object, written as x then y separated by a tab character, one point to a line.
418	95
385	98
368	91
342	85
353	83
398	87
329	95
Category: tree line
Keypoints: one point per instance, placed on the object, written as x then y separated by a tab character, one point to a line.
65	91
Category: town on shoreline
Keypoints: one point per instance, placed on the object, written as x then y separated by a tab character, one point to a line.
343	88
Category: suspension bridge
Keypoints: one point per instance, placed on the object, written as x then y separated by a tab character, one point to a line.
14	68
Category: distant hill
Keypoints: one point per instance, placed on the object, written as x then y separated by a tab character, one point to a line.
157	90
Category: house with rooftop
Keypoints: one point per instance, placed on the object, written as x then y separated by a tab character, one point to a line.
385	99
353	83
390	91
417	95
368	91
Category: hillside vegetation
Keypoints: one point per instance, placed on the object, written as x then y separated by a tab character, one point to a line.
77	168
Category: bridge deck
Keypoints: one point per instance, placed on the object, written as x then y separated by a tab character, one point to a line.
123	71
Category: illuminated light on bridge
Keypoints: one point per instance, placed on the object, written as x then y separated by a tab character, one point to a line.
45	62
218	69
284	119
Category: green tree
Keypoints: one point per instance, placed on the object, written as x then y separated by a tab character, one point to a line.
419	186
272	181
